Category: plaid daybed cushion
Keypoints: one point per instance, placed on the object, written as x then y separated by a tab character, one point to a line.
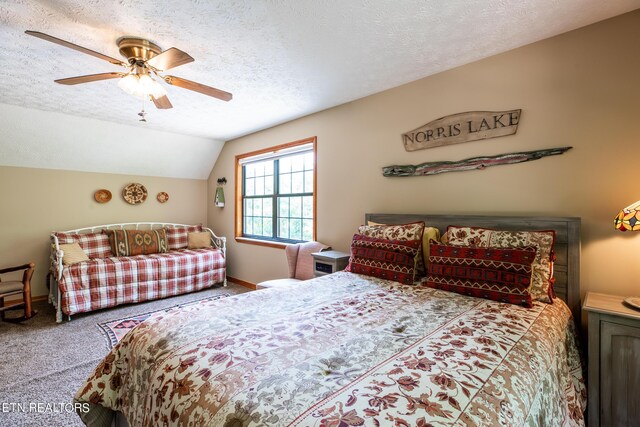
108	282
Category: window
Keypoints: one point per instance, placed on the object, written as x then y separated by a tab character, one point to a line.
275	197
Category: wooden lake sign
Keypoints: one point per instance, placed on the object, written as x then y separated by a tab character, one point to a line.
462	127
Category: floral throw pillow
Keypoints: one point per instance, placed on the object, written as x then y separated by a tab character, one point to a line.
499	274
403	232
385	259
543	241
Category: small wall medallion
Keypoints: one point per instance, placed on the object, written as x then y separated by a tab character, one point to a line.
102	196
162	197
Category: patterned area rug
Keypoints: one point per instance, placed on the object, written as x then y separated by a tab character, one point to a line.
114	330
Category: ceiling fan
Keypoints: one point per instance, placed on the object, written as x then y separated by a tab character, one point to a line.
144	60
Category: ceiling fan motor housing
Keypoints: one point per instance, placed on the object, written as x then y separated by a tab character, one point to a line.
137	50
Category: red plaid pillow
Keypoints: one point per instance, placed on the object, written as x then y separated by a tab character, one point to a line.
178	237
95	245
385	259
499	274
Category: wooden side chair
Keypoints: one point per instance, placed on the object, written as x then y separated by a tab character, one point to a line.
9	288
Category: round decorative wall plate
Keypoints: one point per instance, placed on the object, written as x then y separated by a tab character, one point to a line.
134	193
162	197
102	196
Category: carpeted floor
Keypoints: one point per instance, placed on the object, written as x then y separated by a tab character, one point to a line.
43	363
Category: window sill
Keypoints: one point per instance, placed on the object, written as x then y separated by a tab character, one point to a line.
261	242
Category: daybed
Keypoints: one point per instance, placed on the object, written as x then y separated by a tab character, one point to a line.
349	349
101	279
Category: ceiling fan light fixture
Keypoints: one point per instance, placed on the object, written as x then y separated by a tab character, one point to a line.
141	86
151	87
130	84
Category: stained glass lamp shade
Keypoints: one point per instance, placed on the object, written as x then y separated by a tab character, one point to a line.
628	218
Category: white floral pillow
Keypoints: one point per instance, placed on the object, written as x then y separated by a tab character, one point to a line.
543	241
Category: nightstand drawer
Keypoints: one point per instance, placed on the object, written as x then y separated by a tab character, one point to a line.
614	361
323	267
328	262
619	374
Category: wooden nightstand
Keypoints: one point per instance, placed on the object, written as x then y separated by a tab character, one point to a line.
327	262
614	361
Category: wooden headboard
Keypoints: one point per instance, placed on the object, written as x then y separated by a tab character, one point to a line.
567	248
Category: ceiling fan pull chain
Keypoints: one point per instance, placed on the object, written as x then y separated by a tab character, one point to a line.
143	114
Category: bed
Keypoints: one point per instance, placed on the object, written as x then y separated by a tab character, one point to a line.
352	350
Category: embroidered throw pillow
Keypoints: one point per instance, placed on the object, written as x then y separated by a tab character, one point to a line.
404	232
543	241
178	237
385	259
499	274
95	245
72	253
429	234
137	242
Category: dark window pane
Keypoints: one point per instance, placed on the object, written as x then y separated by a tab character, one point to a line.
285	183
257	207
285	164
249	186
296	207
257	226
259	168
307	207
308	182
297	182
268	167
308	161
249	171
248	211
307	229
267	207
283	231
283	206
259	186
268	185
297	163
267	227
295	229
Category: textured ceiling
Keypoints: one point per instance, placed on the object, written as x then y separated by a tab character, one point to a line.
281	59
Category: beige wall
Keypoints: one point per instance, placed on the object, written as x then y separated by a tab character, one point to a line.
580	89
35	202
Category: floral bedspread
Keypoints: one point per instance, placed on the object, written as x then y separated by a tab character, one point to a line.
344	350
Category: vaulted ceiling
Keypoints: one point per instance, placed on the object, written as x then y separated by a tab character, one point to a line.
281	59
